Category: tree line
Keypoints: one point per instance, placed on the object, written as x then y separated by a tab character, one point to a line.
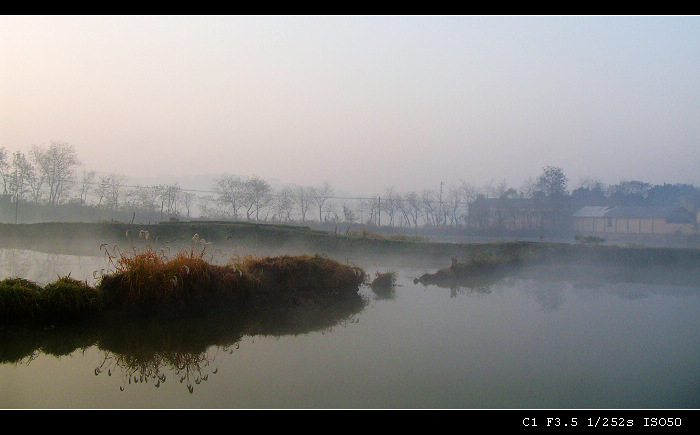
46	183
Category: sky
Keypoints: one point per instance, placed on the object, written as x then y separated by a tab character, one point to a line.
362	102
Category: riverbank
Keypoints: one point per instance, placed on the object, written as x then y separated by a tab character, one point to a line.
267	239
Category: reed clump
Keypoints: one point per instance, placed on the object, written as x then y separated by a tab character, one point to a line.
146	280
383	280
384	284
297	279
483	265
149	278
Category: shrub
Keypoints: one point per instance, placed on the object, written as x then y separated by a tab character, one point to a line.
68	298
20	300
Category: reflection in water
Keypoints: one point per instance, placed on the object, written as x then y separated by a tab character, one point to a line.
46	267
189	368
476	290
548	284
144	349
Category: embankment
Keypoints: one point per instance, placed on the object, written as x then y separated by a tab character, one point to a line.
266	239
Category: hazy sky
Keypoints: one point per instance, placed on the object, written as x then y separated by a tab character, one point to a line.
365	102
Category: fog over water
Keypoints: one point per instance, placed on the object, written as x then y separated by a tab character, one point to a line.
530	340
364	102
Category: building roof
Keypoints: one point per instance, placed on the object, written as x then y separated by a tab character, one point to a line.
671	214
592	211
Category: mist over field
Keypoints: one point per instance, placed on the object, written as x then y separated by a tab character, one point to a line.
469	124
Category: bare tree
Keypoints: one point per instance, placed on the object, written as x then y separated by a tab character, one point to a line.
4	168
102	189
257	195
283	204
55	166
109	190
205	205
35	184
410	208
116	186
330	213
303	197
389	204
85	185
229	190
148	198
369	208
320	196
453	203
130	198
20	176
170	197
432	212
469	193
188	201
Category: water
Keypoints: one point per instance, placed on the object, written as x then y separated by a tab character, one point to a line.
527	341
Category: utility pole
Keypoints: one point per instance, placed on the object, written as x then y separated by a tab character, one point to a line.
379	215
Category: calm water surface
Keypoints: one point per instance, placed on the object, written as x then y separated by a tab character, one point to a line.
528	341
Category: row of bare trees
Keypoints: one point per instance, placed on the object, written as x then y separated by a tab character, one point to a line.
46	173
256	199
49	176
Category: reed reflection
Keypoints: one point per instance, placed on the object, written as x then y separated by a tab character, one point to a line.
181	346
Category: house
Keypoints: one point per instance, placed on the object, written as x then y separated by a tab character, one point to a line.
635	220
